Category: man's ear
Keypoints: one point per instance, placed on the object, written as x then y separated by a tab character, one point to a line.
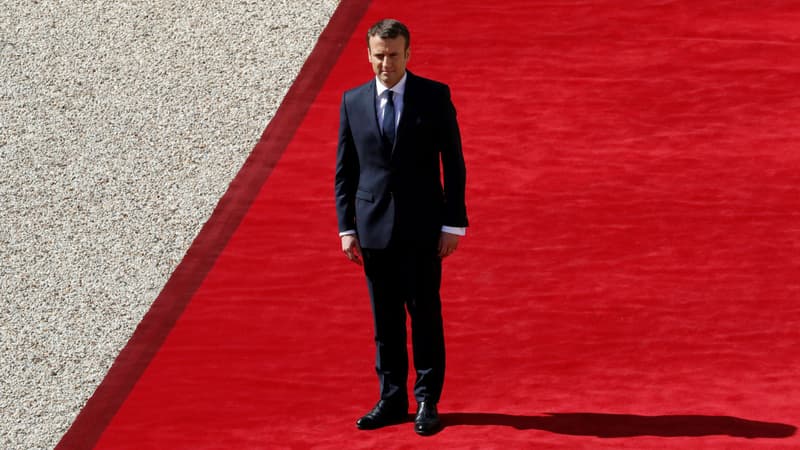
369	54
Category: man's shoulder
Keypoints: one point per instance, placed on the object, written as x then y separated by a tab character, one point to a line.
426	82
426	87
417	83
368	86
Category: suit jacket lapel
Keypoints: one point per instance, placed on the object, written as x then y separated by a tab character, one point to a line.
367	114
409	110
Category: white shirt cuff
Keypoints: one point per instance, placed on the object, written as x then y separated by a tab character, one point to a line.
347	233
459	231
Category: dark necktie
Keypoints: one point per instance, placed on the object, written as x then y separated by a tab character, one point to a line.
388	119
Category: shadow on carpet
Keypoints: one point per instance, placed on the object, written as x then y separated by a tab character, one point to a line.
626	425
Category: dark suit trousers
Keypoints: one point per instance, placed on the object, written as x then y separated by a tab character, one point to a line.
403	277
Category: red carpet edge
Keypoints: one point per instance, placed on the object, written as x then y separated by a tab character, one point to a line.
149	335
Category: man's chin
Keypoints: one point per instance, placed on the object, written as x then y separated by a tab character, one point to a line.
388	81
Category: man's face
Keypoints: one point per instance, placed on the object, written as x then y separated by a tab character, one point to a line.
388	58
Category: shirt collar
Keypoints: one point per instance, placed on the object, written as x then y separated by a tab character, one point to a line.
398	88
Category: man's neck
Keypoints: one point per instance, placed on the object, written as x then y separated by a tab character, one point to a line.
399	82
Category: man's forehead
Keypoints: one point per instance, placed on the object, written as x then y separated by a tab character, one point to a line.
379	43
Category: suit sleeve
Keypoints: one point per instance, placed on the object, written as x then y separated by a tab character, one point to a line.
346	178
453	167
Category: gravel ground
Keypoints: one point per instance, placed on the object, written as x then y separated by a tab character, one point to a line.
121	125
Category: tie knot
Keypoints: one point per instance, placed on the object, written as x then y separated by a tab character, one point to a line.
389	94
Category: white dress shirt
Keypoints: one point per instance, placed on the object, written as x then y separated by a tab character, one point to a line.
381	98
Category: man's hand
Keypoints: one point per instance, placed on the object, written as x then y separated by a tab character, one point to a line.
351	248
447	244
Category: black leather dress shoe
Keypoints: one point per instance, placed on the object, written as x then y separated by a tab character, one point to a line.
427	421
383	414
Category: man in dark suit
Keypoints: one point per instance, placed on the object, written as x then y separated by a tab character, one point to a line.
398	139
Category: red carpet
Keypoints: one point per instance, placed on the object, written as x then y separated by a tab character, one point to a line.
630	278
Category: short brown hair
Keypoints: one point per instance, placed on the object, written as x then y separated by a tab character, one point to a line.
389	29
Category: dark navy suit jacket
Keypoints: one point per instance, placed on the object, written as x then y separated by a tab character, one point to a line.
400	193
